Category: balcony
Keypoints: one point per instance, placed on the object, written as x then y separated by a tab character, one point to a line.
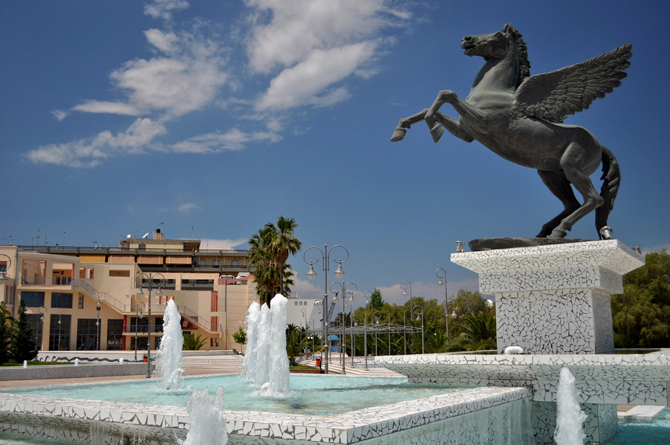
47	281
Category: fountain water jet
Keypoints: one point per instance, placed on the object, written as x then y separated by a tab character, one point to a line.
570	417
170	351
207	424
279	366
262	350
253	317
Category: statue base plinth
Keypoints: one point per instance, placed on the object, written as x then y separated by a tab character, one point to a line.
480	244
554	299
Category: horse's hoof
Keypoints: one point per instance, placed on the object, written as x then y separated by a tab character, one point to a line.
558	233
398	134
437	132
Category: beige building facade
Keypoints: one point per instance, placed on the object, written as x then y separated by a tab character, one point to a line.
88	298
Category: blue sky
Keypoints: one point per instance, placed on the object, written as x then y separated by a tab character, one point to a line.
215	117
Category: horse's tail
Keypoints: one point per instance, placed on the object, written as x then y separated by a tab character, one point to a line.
611	179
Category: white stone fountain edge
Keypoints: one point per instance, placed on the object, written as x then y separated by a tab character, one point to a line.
54	417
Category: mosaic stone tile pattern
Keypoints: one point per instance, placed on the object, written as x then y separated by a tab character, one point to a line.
602	378
554	299
561	321
76	419
609	254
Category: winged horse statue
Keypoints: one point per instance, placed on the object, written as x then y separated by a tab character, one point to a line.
519	116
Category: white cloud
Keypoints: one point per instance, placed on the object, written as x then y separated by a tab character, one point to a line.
234	139
184	76
223	244
94	106
188	207
316	43
160	9
92	151
299	85
60	114
656	249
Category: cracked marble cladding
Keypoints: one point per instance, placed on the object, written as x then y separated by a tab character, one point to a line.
344	428
600	427
602	378
610	254
579	277
574	321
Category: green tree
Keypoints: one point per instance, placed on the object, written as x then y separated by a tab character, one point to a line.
269	250
193	342
24	346
294	344
641	315
240	336
376	301
284	244
6	332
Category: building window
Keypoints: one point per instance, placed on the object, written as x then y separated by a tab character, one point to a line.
295	303
143	247
216	263
61	300
141	343
87	334
80	303
33	299
138	324
202	262
114	335
37	325
59	333
235	263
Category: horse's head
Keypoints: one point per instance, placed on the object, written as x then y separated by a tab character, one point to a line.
489	46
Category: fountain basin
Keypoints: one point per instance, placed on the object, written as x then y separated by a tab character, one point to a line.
499	413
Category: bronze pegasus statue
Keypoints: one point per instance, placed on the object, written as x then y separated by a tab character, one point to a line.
519	117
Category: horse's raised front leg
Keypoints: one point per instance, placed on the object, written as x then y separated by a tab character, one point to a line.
436	129
476	118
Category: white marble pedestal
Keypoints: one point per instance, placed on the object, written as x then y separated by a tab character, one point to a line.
555	299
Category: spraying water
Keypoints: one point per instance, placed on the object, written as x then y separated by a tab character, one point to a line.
570	416
253	318
208	426
76	362
262	350
169	353
279	367
25	363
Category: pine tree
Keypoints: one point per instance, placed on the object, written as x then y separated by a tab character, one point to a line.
24	346
5	332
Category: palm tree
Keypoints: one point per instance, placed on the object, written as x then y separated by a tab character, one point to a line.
284	244
269	249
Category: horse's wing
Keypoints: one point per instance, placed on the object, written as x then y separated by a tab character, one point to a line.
555	95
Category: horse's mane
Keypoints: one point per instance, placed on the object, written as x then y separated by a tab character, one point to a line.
521	51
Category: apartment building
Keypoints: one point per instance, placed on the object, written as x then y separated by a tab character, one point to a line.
87	298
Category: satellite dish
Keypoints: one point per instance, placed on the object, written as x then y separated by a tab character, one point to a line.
128	236
145	235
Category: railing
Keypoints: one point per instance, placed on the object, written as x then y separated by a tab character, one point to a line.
142	329
197	286
195	318
112	250
102	296
46	281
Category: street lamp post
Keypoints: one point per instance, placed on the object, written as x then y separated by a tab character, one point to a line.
365	327
59	333
42	314
411	309
97	327
343	289
138	315
149	281
375	321
442	275
423	347
311	274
